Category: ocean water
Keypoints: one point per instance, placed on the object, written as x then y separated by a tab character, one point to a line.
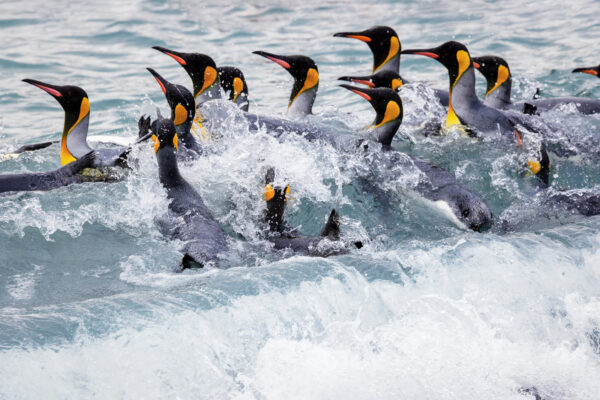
91	306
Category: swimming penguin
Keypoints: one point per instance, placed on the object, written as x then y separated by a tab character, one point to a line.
386	49
74	101
66	175
464	108
589	70
205	240
384	79
306	81
285	238
499	81
183	110
438	186
234	83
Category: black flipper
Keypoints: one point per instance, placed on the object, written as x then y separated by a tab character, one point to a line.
529	109
144	125
33	147
332	227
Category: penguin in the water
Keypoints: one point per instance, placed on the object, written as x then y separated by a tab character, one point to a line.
589	70
75	102
285	238
306	81
382	79
464	108
439	186
233	82
499	81
386	48
205	240
183	110
66	175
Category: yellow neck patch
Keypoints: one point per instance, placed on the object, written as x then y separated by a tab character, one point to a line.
534	166
156	142
269	192
464	63
393	52
396	83
181	115
65	155
502	77
312	80
238	86
210	76
392	111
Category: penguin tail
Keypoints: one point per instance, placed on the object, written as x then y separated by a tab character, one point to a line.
332	227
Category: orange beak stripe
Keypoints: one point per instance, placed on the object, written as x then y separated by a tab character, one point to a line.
161	85
280	62
591	72
476	65
368	83
363	95
177	58
53	92
519	140
427	54
365	39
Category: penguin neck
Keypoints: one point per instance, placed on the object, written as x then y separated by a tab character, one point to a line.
301	106
500	96
168	171
210	93
385	133
184	134
74	141
274	213
242	101
393	64
462	97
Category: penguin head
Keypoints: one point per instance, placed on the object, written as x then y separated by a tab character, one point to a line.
276	198
383	42
494	69
388	106
181	101
164	135
200	67
73	99
589	70
469	208
302	68
234	83
384	79
453	55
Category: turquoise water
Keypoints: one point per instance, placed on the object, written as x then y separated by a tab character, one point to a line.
90	306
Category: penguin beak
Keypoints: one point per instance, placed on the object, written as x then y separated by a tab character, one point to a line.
362	36
281	60
177	56
591	71
54	90
363	80
476	64
162	82
364	93
422	52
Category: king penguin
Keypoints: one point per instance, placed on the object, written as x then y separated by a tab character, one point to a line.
285	238
76	105
499	81
205	240
382	79
306	81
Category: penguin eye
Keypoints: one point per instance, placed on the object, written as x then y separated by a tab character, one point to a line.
465	213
